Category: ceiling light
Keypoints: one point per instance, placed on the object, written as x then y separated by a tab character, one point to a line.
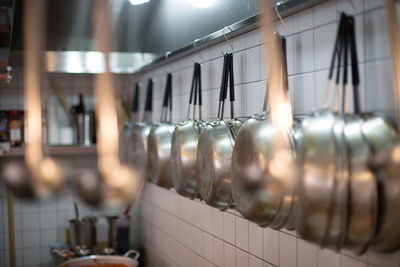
138	2
201	3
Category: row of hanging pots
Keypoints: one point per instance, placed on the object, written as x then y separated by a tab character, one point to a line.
331	175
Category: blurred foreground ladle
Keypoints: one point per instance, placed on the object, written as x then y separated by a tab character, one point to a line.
115	183
39	175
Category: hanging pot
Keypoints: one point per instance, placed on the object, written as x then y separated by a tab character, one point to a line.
388	166
259	196
137	142
363	190
184	144
125	134
159	143
323	192
215	147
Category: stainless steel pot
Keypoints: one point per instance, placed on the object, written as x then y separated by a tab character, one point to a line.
259	192
323	197
159	143
137	141
388	166
363	189
130	259
215	147
82	235
184	144
125	134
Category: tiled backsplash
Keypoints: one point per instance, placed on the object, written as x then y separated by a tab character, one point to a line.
180	232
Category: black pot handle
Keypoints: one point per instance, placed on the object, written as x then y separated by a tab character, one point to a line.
333	60
169	84
196	85
345	63
149	96
135	101
194	77
200	88
223	87
285	82
231	85
354	66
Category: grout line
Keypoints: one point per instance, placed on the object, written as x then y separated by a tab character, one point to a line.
202	230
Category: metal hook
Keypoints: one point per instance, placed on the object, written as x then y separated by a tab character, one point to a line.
195	46
281	20
226	38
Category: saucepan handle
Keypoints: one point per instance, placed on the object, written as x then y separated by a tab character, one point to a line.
133	253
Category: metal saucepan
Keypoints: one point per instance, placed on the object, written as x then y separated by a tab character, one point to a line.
320	211
184	144
388	234
125	134
215	147
258	194
125	261
137	142
159	143
363	202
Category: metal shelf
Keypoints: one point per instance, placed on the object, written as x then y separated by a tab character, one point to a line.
55	150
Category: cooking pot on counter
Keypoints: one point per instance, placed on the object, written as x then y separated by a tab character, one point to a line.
95	260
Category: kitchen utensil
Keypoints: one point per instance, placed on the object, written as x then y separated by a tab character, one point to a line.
137	143
39	175
125	134
184	144
388	235
259	195
119	182
214	150
363	190
159	143
126	260
82	231
319	209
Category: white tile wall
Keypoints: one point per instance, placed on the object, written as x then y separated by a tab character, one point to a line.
310	40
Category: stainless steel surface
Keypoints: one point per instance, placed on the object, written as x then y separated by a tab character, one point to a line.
138	45
214	155
183	157
159	154
85	128
259	195
363	206
93	62
137	147
316	192
388	235
127	260
82	235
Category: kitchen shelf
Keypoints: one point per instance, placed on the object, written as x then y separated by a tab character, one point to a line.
55	150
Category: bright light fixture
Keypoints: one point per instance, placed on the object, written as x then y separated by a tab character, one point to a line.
201	3
138	2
